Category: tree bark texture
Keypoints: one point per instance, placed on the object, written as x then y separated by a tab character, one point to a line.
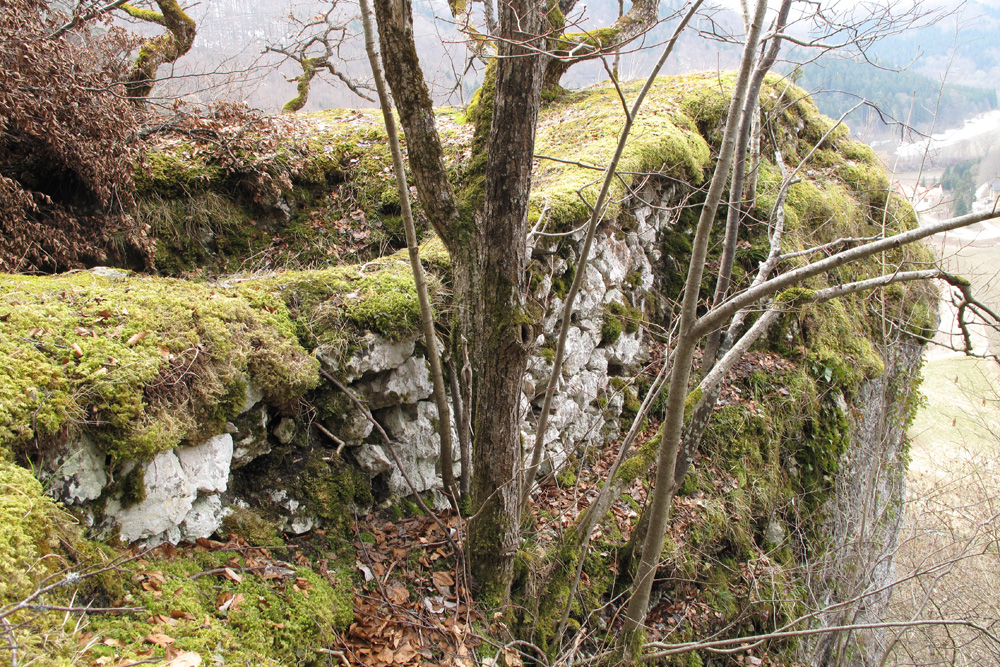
485	232
492	299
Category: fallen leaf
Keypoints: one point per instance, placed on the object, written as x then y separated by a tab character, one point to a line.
231	575
177	613
443	579
398	594
187	659
136	338
511	657
159	639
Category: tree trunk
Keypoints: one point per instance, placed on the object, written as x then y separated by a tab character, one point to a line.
166	48
492	303
485	230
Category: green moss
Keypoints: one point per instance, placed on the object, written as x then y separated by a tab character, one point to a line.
611	330
271	621
37	540
251	526
326	487
181	171
155	362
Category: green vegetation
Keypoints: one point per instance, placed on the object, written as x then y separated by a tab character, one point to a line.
253	621
160	362
154	362
959	181
157	362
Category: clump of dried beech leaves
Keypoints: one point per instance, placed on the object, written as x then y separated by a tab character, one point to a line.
67	143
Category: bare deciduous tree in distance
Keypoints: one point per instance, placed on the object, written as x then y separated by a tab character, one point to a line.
317	47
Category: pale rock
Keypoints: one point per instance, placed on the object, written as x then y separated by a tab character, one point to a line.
417	445
614	258
640	264
613	295
206	466
583	387
528	387
616	401
774	535
253	396
107	272
407	384
580	345
286	430
79	472
544	286
372	460
589	302
203	519
352	425
626	350
293	520
376	355
169	498
552	318
598	362
302	524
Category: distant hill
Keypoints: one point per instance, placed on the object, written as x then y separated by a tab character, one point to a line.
838	85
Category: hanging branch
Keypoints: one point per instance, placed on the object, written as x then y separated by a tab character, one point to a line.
162	50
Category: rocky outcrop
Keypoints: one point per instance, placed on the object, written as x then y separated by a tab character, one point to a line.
865	514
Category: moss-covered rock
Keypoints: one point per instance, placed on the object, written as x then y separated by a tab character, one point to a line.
150	363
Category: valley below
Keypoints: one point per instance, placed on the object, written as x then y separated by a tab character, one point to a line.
948	562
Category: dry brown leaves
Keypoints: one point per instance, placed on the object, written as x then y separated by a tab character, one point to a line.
414	608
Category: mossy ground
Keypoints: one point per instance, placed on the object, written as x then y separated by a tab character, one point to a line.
252	618
142	364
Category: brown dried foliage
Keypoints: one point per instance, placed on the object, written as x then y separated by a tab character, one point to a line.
67	144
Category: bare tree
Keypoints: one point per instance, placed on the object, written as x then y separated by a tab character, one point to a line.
317	45
161	50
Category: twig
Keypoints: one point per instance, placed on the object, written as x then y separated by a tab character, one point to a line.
340	443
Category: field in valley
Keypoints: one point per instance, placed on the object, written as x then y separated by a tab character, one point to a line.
948	559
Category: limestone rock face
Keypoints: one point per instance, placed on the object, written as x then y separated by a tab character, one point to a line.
406	384
207	465
169	498
182	489
418	446
375	354
250	439
78	472
865	513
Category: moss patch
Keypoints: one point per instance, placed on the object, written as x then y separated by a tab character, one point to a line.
149	363
256	621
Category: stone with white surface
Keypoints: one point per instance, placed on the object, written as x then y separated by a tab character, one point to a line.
206	466
79	473
169	498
